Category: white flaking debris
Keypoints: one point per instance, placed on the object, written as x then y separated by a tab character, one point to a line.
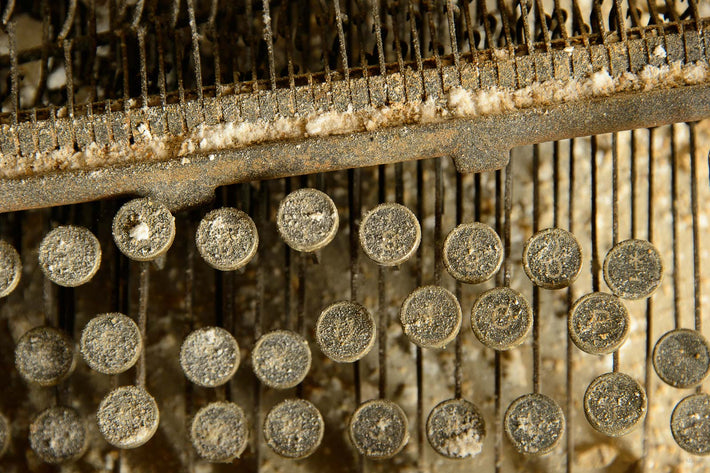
140	232
458	102
660	51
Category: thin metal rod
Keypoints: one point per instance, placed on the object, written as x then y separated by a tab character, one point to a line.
675	210
648	368
596	266
382	303
536	290
143	292
458	364
569	407
615	215
694	202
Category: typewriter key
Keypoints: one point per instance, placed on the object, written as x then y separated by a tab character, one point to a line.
345	331
681	358
473	252
143	229
552	258
390	234
227	239
614	404
69	255
4	434
534	424
10	268
598	323
128	417
379	429
219	432
111	343
294	428
307	220
281	359
58	435
456	429
209	356
690	424
633	269
45	356
431	317
501	318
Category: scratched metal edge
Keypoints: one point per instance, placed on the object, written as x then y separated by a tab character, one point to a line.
477	144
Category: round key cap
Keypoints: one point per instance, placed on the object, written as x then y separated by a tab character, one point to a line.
390	234
552	258
209	356
690	424
58	435
345	331
456	429
307	220
633	269
294	428
143	229
281	359
501	318
227	239
111	343
614	404
10	268
473	252
379	429
598	323
534	424
4	434
431	317
681	358
69	256
128	417
45	356
219	432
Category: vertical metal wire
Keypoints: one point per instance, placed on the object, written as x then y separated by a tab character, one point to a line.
596	265
381	301
697	263
675	210
569	368
458	363
143	292
615	215
536	290
648	368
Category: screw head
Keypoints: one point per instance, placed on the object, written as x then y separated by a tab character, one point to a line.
143	229
227	239
345	331
598	323
128	417
456	429
501	318
45	355
58	435
534	424
379	429
390	234
10	268
614	404
690	424
281	359
307	220
111	343
633	269
552	258
219	432
681	358
431	317
69	255
209	356
294	428
473	253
